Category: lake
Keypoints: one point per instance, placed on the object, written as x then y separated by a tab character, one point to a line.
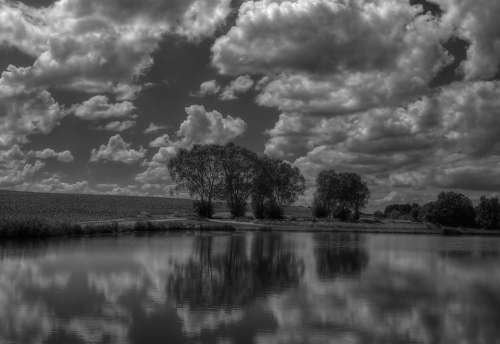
252	288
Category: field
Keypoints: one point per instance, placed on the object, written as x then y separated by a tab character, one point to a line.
28	214
78	207
81	208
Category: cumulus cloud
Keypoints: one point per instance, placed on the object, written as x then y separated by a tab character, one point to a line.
117	150
96	46
477	23
89	46
118	126
205	127
238	86
49	153
153	127
161	141
99	107
327	56
16	168
19	169
199	127
55	183
208	88
24	113
439	140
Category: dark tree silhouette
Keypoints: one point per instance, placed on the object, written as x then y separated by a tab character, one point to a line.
342	194
276	185
239	168
488	213
402	211
450	209
199	170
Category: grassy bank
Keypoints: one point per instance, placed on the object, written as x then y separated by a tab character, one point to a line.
26	215
33	228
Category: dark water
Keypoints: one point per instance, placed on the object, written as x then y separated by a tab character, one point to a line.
252	288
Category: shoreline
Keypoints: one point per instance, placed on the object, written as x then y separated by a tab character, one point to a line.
39	229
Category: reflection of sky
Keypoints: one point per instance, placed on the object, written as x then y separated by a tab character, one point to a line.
324	288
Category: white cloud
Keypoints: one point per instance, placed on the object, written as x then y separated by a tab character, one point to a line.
55	184
96	46
441	140
152	128
238	86
199	127
25	113
15	168
326	56
477	22
117	150
99	107
90	46
118	126
49	153
161	141
208	88
208	127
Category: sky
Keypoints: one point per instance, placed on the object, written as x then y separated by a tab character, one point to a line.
97	95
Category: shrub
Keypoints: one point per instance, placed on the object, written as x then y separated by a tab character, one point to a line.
379	214
203	208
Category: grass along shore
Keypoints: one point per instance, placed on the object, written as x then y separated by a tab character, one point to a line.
33	228
25	215
16	229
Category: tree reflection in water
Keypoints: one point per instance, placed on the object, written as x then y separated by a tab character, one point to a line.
341	255
234	278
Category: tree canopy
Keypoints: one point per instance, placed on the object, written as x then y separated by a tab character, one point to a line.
233	173
341	193
276	184
451	209
488	213
239	169
199	170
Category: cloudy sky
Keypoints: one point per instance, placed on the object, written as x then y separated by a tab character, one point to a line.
96	95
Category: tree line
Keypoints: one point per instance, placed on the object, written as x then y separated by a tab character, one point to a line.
450	209
236	175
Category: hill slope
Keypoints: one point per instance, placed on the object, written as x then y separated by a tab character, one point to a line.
83	207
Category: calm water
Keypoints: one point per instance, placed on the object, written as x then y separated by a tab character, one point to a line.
252	288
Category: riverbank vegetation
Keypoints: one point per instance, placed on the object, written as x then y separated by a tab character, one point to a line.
36	228
450	209
234	174
234	181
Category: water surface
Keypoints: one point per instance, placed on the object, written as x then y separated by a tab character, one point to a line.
252	288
